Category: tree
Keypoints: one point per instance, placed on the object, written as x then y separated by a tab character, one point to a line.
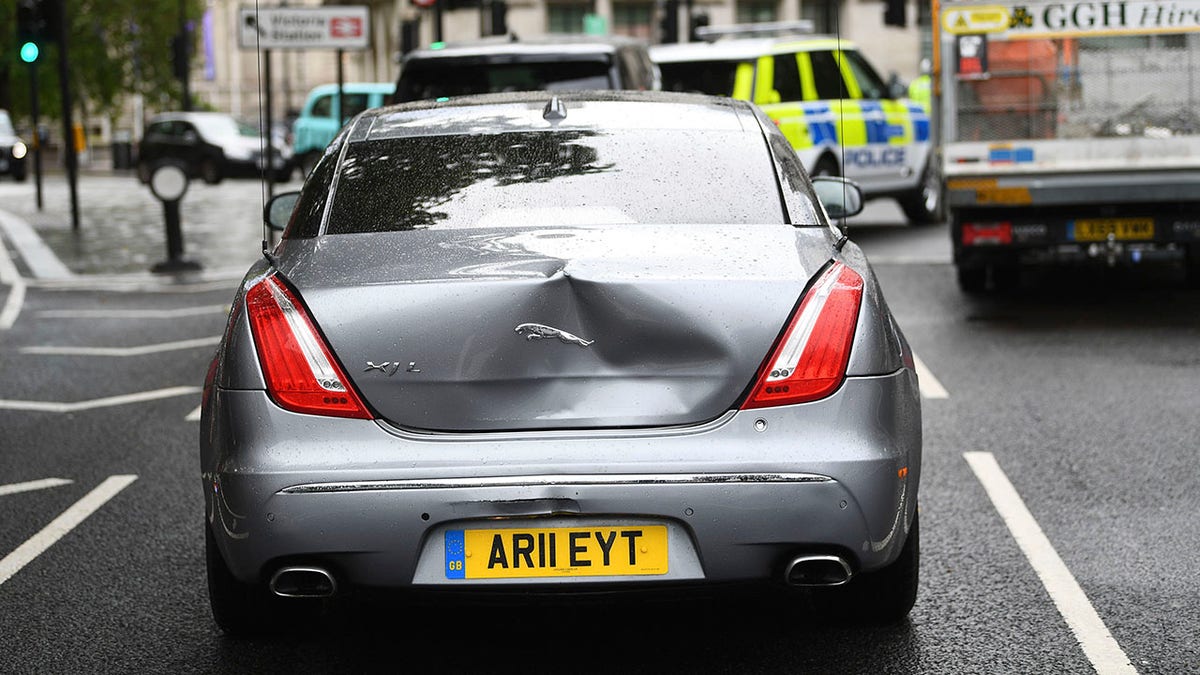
116	48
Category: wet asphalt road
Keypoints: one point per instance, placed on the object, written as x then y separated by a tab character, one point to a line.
1086	395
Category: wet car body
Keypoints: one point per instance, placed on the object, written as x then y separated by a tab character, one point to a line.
550	380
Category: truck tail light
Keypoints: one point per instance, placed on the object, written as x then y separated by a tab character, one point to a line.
983	234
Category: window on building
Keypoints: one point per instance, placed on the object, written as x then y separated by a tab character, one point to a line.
823	14
563	17
635	19
756	11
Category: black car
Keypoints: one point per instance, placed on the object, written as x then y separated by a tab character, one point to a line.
12	149
552	63
213	146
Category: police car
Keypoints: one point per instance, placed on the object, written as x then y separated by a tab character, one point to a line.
827	100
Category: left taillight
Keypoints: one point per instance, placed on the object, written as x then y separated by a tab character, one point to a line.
301	373
809	363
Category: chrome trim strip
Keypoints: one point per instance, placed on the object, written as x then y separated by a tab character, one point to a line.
550	480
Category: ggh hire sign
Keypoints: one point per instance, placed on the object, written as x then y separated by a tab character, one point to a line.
1103	18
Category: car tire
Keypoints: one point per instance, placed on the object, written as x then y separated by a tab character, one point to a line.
923	206
239	609
19	172
210	172
884	596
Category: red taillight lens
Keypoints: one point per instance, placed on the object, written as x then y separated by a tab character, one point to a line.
975	234
302	375
810	361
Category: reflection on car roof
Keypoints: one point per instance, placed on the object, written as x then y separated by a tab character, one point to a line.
524	111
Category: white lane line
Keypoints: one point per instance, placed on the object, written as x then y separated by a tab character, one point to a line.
132	313
29	486
194	416
64	523
40	259
1098	644
9	276
930	387
12	306
123	351
57	407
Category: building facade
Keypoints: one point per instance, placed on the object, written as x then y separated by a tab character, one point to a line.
227	77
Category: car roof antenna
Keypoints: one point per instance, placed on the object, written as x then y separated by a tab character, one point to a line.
555	110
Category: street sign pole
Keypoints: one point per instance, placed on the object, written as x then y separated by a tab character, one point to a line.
341	79
37	140
64	88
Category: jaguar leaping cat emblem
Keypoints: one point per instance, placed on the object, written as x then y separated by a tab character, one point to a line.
536	331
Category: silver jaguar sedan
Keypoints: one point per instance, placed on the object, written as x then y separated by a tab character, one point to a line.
561	343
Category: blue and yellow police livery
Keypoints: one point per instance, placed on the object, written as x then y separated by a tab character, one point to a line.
829	102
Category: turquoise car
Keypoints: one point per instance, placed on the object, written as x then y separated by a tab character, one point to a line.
318	122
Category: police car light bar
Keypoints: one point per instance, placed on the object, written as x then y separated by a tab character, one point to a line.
767	29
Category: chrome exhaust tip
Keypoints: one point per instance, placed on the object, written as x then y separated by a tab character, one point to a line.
817	570
303	582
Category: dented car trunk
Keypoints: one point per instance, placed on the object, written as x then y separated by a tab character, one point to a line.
554	328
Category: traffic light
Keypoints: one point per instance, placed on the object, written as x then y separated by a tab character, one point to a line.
893	13
37	24
29	52
30	28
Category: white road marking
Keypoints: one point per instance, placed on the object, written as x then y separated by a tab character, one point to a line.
194	416
9	276
132	313
12	306
123	351
64	523
109	401
930	387
40	259
29	486
1098	644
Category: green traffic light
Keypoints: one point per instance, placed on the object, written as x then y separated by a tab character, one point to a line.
29	52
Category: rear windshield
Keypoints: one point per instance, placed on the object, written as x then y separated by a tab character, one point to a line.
436	78
702	77
569	177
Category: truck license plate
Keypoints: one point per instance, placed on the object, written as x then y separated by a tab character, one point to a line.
511	553
1098	229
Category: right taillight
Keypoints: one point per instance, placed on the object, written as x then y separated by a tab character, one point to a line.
301	373
810	361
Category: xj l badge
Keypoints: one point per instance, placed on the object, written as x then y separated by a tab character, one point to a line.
536	331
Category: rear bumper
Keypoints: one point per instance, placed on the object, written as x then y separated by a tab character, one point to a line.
372	504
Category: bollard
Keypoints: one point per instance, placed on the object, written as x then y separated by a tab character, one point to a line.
169	182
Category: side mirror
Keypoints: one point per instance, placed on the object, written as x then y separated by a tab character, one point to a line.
278	211
190	137
841	197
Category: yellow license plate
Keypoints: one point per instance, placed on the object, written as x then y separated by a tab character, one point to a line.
1098	229
516	553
